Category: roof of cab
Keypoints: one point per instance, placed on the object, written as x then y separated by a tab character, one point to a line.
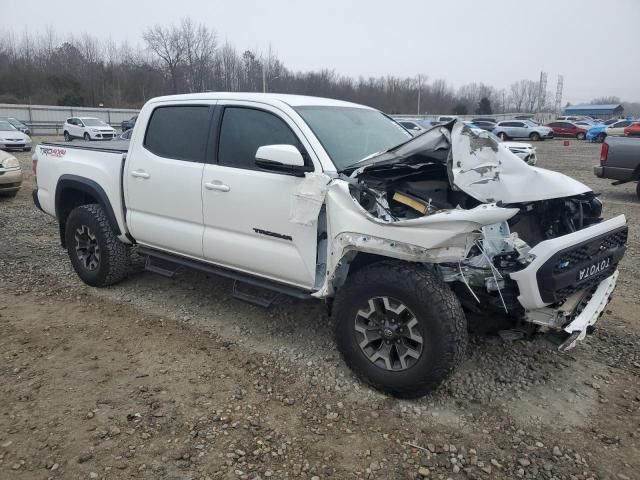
269	98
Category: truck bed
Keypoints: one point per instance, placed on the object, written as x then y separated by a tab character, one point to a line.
111	146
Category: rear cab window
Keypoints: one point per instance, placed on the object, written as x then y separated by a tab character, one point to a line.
179	132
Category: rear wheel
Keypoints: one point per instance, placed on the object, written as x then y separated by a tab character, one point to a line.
503	136
535	136
399	328
580	136
97	256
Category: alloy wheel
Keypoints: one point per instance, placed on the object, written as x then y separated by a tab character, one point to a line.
387	333
87	248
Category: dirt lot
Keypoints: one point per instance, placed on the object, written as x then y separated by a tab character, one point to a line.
174	379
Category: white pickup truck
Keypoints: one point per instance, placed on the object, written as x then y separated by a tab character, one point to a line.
405	238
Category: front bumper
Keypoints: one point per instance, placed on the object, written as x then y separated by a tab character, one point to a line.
578	328
10	180
17	145
554	271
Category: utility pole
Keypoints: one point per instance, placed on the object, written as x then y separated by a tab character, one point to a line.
419	91
558	103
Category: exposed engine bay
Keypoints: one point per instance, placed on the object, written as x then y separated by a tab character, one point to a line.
422	183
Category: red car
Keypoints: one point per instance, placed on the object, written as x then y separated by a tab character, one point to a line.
632	130
562	128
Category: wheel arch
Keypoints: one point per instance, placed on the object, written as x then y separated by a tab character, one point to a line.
74	191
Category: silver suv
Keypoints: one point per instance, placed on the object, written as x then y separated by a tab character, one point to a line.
522	129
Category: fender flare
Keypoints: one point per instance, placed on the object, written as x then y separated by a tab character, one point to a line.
89	187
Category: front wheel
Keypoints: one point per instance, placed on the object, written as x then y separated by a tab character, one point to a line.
535	136
580	136
600	138
97	256
87	137
67	137
399	328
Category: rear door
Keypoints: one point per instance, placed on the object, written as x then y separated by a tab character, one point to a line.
163	178
246	209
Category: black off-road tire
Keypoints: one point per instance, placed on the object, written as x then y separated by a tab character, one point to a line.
113	263
441	323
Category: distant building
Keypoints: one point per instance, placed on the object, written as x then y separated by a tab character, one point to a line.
595	111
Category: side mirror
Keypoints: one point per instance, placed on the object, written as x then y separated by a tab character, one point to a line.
282	159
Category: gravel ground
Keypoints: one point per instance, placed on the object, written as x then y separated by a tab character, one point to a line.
174	379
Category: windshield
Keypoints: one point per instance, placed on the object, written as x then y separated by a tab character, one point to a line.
94	122
15	123
6	126
349	134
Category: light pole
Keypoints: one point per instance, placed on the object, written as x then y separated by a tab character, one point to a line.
419	91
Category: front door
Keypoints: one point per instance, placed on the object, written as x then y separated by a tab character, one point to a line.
246	210
163	179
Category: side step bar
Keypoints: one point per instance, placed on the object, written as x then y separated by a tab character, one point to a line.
179	261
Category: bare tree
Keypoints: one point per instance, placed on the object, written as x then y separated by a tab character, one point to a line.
168	44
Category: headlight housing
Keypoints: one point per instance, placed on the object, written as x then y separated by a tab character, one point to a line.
93	129
10	163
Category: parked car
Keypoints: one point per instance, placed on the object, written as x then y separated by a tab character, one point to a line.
567	129
484	119
522	129
597	133
570	118
484	124
325	199
129	124
620	161
617	129
10	175
13	139
525	151
632	130
412	126
126	135
446	118
18	124
87	128
586	124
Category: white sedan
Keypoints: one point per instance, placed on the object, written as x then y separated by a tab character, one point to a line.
525	151
12	138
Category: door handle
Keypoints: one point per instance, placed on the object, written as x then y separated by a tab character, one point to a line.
140	174
217	185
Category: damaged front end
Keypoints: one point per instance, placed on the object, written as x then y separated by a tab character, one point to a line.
516	243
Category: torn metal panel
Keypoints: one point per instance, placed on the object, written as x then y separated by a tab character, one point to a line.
488	171
445	236
309	198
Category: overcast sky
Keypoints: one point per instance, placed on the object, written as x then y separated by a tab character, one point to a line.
595	44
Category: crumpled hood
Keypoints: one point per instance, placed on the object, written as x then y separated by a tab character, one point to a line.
480	166
489	173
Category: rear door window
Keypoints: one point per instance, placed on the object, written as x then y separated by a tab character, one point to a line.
179	132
